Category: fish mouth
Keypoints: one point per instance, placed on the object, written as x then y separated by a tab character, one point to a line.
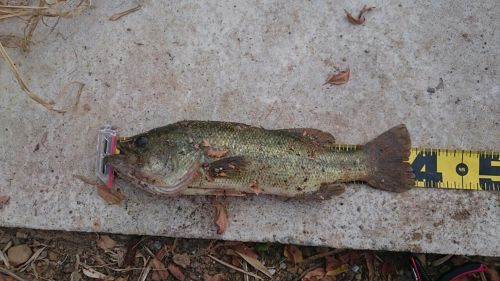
121	163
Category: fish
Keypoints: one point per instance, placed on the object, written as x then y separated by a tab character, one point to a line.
226	158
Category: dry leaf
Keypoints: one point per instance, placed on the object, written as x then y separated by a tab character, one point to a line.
492	274
111	196
370	266
331	263
339	78
181	260
256	264
92	273
244	249
176	272
388	268
361	16
255	188
105	242
216	277
293	254
4	200
162	253
339	270
160	270
221	217
314	275
216	153
205	143
117	16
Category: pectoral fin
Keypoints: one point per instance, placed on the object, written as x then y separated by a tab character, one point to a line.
226	167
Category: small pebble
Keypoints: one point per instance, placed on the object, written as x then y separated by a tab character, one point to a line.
431	90
272	271
282	265
19	254
358	276
355	268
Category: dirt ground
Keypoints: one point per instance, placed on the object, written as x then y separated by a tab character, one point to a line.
57	255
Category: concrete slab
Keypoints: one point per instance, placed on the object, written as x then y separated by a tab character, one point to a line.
262	63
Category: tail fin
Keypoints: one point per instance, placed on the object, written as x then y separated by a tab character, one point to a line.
387	154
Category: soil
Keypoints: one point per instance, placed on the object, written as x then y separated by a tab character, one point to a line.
59	255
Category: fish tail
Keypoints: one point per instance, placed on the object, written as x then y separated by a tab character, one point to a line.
387	155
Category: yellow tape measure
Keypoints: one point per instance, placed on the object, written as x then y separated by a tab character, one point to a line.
452	169
456	169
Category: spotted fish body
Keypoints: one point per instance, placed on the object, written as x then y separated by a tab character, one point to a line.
208	157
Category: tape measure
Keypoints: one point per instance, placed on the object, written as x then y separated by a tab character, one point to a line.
433	168
451	169
456	169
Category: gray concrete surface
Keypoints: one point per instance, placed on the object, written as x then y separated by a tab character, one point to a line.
262	63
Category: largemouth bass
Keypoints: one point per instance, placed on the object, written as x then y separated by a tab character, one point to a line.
217	158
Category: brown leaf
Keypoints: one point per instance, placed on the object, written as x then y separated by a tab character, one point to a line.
388	268
132	247
105	242
111	196
235	260
255	188
314	275
221	217
492	274
370	266
331	263
181	260
339	78
176	272
361	16
162	252
337	271
216	277
216	153
160	270
244	249
293	254
4	200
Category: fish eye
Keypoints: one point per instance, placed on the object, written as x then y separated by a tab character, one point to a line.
141	142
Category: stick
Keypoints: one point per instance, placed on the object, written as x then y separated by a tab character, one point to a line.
11	274
235	268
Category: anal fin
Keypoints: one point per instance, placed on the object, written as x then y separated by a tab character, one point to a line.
327	191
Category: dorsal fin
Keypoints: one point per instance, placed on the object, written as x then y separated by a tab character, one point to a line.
314	136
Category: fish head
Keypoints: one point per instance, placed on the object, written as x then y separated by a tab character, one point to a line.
154	163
